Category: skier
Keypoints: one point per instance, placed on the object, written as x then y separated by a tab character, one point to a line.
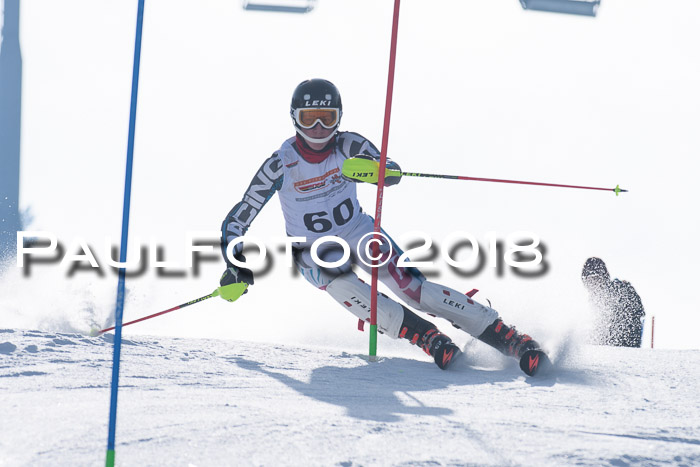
619	309
317	200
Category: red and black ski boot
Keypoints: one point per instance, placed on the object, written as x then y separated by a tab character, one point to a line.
424	334
534	362
440	347
509	341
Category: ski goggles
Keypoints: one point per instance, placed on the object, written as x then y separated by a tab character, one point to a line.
307	118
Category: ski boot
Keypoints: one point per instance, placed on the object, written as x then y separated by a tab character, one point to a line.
424	334
440	347
510	342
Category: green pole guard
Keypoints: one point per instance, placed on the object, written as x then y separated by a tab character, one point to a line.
366	170
231	292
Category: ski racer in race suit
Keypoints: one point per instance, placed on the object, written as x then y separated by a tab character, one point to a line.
317	201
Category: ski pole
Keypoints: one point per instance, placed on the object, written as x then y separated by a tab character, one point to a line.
617	189
230	292
366	169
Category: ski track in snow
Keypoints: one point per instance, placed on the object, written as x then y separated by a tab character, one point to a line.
212	402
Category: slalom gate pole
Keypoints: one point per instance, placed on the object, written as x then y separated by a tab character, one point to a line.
617	189
652	332
197	300
119	312
380	185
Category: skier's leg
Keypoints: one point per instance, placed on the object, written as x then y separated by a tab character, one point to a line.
483	323
393	319
479	320
347	289
410	285
462	311
353	294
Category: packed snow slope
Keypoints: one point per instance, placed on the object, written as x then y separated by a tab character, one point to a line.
215	402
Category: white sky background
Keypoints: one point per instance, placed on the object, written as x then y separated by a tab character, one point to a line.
482	89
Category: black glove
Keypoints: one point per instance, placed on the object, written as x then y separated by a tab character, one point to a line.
234	274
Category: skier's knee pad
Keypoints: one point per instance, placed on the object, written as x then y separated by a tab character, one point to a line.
353	294
315	274
456	307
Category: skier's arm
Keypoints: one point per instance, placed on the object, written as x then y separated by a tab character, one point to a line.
265	183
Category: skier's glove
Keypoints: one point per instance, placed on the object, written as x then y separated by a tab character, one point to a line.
235	275
365	168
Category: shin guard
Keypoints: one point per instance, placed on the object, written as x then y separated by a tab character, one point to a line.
460	310
354	294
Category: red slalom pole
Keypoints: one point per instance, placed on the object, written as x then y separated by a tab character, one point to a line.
617	189
380	184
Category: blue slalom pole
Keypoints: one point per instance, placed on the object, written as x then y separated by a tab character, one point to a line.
124	241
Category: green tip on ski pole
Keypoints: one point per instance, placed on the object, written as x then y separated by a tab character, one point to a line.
617	190
231	292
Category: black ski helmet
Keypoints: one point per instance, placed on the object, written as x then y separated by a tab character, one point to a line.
315	93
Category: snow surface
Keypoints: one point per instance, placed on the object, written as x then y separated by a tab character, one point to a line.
224	402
